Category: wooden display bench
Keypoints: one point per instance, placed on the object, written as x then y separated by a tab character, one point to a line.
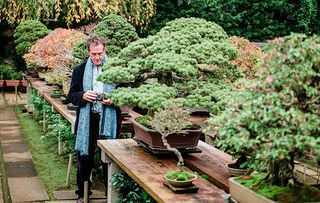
148	171
44	90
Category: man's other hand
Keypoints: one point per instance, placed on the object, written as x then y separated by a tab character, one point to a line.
89	96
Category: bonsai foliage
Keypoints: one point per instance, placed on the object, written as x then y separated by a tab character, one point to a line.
248	55
169	121
70	12
27	33
54	51
187	59
275	119
117	32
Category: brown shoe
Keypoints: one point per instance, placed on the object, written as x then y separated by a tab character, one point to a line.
80	200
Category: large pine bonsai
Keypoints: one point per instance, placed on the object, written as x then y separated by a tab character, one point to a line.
186	62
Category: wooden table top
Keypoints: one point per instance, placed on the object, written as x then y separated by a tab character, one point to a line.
148	171
211	162
44	89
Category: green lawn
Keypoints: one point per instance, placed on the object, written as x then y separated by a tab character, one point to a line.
51	168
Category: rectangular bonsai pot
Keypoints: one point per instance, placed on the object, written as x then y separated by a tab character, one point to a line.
12	83
244	195
187	139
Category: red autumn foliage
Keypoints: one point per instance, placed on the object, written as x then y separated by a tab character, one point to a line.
55	50
248	55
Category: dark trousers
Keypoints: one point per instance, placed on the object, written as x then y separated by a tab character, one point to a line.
86	163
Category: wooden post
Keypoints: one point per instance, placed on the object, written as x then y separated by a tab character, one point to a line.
16	93
85	195
304	173
44	121
318	173
112	168
59	140
59	145
69	170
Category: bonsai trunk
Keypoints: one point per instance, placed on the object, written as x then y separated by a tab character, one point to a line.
174	150
281	172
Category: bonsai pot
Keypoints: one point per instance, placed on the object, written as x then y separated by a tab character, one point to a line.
12	83
187	139
23	83
56	94
72	107
180	183
244	195
64	100
235	171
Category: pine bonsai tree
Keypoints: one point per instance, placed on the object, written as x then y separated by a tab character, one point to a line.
186	62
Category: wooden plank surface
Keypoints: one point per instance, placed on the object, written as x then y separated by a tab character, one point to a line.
211	162
44	89
201	121
148	170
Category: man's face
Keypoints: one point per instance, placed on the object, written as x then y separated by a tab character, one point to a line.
96	53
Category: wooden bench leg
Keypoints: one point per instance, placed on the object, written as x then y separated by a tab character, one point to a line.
85	195
112	168
69	170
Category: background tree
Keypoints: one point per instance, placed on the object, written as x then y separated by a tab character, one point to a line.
256	20
72	12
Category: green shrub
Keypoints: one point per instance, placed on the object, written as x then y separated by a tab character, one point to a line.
27	33
8	73
275	118
129	190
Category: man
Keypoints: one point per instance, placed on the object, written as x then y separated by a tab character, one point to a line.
97	118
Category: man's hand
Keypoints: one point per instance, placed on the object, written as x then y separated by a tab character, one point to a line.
106	102
89	96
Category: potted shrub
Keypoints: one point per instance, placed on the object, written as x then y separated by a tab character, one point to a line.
169	122
8	74
275	119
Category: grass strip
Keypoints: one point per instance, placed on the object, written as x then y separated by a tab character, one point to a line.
4	180
51	168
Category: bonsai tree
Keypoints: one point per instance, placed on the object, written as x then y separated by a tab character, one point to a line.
117	32
187	62
168	121
275	118
54	53
27	33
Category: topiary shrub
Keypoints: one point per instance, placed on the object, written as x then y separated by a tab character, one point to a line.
186	60
276	117
27	33
117	32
